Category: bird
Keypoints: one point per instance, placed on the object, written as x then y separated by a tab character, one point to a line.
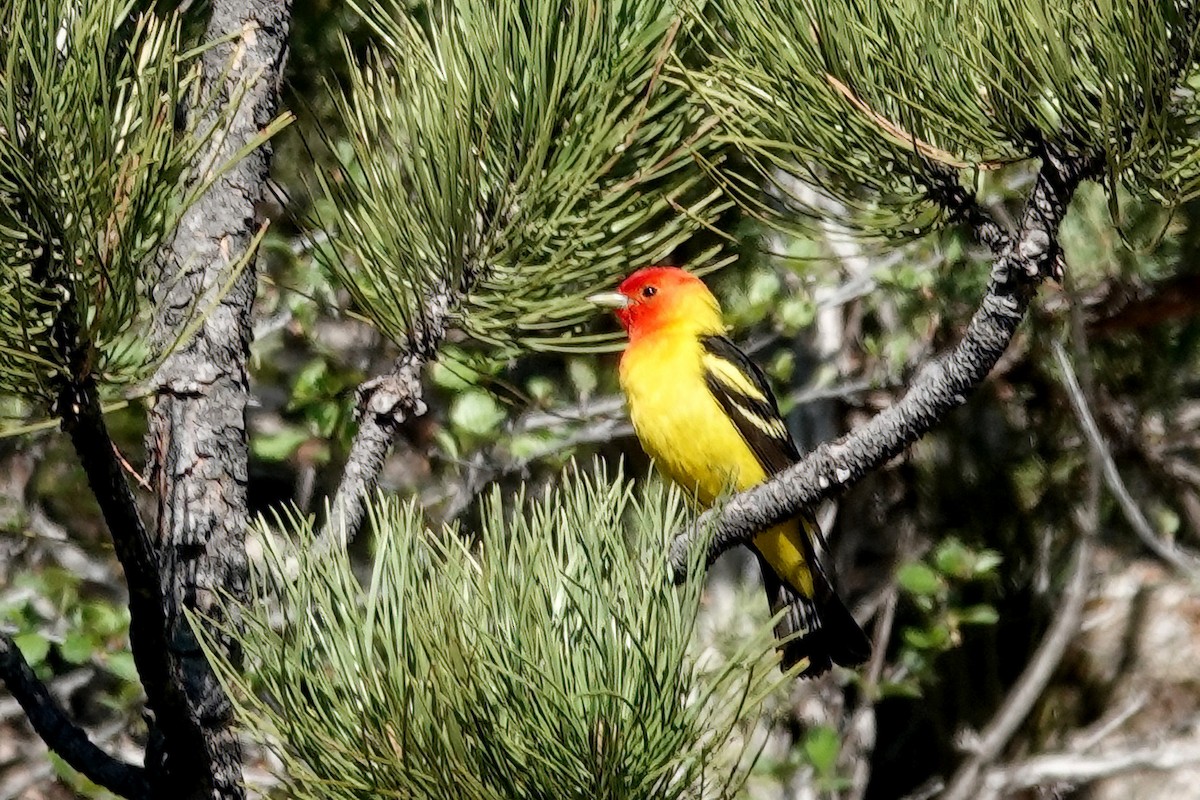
705	414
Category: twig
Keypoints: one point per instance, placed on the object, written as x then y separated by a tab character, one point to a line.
1022	261
1087	738
133	473
1029	687
863	729
903	137
61	735
1034	679
1078	768
1174	556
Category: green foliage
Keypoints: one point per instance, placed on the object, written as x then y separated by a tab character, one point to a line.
59	626
860	96
821	747
510	160
91	184
550	660
89	167
937	586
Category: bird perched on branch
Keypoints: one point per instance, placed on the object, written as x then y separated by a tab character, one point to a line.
703	411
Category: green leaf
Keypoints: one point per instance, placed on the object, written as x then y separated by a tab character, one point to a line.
122	665
278	446
476	412
821	745
528	445
986	563
452	375
77	648
920	580
103	619
33	646
953	558
979	615
313	382
583	375
936	638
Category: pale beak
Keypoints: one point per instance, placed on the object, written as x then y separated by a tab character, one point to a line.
609	300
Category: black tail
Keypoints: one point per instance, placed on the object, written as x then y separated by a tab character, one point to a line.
820	628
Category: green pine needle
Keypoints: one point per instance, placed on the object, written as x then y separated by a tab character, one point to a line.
93	179
547	659
860	97
517	157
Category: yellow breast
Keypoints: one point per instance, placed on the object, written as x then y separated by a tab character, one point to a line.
679	422
683	428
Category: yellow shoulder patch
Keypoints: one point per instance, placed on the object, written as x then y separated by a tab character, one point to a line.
731	376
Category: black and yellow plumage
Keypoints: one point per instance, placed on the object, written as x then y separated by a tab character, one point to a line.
705	414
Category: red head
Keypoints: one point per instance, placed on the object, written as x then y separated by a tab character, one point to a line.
658	299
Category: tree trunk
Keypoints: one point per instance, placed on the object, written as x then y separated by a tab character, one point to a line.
196	442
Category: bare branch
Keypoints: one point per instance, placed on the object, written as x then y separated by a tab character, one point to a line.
1022	261
1182	561
1033	681
863	723
63	736
1075	768
384	403
84	423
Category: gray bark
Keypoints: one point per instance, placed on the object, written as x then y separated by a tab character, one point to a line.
196	444
384	403
1022	260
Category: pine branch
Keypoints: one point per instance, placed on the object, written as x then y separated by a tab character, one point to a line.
49	719
1022	260
384	403
83	421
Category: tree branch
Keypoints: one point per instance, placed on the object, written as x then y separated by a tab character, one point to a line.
64	737
1182	561
1080	768
83	422
196	443
384	403
1022	260
1029	687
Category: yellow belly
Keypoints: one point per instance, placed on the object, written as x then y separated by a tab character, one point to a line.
683	428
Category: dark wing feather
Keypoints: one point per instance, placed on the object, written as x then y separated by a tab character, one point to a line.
743	394
818	628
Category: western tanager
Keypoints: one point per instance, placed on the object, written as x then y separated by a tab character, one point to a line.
704	413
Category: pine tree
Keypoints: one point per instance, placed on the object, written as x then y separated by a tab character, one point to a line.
505	158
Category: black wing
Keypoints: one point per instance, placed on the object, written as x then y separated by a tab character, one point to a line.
742	392
818	628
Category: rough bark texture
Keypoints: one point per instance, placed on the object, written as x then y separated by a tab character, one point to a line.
1022	260
384	403
197	438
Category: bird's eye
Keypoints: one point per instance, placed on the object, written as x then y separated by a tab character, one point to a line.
649	291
